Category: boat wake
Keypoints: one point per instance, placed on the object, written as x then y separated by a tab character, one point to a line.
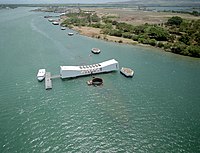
35	28
58	45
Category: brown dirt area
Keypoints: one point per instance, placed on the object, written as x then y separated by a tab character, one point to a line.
138	17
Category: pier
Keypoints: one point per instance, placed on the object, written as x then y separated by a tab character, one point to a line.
55	76
48	82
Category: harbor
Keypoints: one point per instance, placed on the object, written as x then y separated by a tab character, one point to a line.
155	111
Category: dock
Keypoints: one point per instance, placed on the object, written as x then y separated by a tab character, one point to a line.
55	76
48	82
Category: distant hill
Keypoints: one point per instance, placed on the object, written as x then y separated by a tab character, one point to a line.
163	2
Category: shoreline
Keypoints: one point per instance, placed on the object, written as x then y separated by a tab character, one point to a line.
132	42
151	28
85	31
95	33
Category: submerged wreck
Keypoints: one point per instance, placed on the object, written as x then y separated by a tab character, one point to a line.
95	81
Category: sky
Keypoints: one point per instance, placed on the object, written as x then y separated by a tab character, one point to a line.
55	1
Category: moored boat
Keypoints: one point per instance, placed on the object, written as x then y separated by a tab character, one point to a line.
50	20
95	50
127	72
55	23
62	14
70	33
41	74
62	28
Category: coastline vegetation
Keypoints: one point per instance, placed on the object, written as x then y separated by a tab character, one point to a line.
195	13
177	35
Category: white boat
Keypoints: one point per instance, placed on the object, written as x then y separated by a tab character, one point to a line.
96	50
41	74
75	71
70	34
55	23
62	28
62	14
50	20
127	72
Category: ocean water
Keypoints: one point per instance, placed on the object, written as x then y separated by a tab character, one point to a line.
158	110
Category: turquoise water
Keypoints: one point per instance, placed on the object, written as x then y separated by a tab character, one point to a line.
158	110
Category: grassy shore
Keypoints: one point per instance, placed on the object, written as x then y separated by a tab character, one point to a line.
174	32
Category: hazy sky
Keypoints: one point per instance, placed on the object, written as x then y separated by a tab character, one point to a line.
55	1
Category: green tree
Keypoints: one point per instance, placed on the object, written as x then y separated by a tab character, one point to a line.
125	27
114	22
115	32
178	48
197	37
106	20
195	13
171	38
168	46
105	31
158	33
95	18
135	37
139	29
106	25
96	25
160	45
184	26
175	20
185	39
152	42
194	50
127	35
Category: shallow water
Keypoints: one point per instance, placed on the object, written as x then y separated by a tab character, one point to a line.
156	111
